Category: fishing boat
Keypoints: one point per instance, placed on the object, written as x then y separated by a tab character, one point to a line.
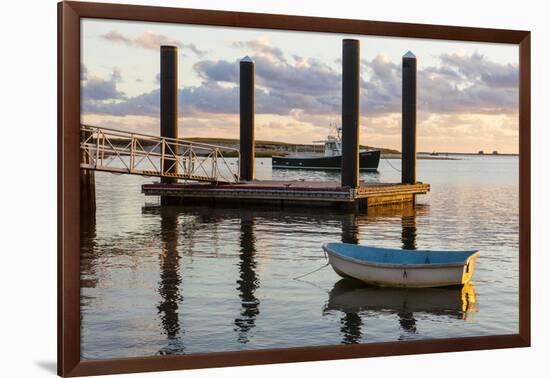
332	158
401	268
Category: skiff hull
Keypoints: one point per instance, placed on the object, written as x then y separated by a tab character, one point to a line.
401	268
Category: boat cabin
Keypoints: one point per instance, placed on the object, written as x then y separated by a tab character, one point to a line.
333	144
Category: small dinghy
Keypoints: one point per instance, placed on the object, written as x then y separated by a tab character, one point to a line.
402	268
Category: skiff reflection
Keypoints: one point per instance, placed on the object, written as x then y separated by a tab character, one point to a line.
357	301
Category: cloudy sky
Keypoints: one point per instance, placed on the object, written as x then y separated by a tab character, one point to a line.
468	92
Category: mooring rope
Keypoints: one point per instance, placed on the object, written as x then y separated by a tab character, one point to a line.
315	286
307	274
391	165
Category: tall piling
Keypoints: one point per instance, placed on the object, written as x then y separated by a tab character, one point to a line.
169	106
246	143
350	113
408	123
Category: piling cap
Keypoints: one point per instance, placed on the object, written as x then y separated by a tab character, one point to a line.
409	54
247	59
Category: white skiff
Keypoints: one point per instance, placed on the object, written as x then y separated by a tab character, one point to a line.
401	268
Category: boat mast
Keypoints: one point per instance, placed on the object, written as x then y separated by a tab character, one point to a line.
338	138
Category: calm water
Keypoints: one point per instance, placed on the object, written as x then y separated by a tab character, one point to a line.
189	280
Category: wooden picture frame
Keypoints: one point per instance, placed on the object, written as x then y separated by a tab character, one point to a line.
69	16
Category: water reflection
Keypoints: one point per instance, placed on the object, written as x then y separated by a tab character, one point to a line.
351	328
88	260
355	299
170	281
350	228
142	293
408	230
347	296
248	281
407	213
180	233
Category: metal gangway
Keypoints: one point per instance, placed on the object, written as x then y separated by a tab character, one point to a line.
117	151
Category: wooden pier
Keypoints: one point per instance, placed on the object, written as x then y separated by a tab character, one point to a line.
288	193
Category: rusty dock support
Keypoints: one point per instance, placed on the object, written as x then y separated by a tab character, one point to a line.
87	181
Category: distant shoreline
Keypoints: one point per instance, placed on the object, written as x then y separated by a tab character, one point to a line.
471	153
419	156
265	148
283	148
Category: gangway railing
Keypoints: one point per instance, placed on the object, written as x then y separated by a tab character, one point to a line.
105	149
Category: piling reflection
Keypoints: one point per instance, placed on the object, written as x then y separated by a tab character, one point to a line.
408	230
170	281
355	299
350	228
347	296
248	281
88	259
351	324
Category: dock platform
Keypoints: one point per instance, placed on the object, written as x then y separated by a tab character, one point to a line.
292	193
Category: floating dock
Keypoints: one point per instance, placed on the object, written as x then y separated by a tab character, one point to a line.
171	159
288	193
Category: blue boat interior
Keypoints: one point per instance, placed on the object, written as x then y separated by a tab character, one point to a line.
399	256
